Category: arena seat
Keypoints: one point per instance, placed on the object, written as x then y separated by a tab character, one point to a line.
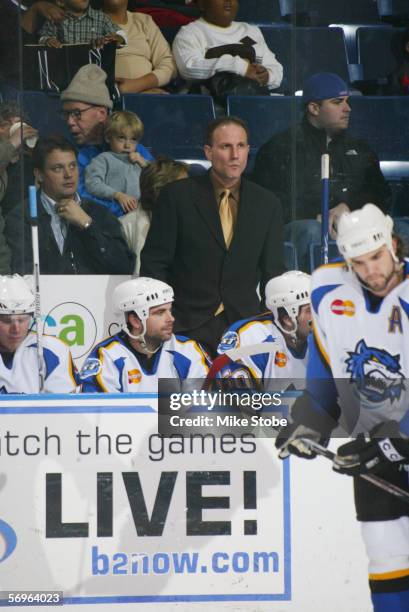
315	254
394	11
379	50
43	110
380	120
174	124
265	115
325	12
304	51
290	256
259	11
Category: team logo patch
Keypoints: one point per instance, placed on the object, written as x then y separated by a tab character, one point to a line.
343	307
280	359
376	373
134	376
230	340
91	367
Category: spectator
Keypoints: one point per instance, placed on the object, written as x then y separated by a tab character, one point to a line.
115	174
75	236
38	12
154	177
81	25
215	46
398	80
146	64
290	165
214	238
85	104
145	349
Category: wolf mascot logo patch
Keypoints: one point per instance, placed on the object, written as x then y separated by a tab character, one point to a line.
376	373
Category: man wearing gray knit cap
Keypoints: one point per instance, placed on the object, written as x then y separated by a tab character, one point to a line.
85	107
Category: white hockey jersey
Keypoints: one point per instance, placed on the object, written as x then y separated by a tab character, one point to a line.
362	345
20	375
282	362
112	367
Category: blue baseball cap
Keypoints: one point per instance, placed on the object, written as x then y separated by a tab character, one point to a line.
324	86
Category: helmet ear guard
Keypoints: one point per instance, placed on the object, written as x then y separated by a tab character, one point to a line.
15	296
290	291
139	295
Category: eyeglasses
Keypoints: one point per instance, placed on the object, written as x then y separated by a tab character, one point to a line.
76	114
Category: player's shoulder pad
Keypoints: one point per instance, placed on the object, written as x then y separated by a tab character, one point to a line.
325	279
256	325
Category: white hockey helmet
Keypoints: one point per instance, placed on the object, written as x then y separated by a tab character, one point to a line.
15	296
364	230
290	291
139	295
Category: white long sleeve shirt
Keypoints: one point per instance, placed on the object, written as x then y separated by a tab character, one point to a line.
193	41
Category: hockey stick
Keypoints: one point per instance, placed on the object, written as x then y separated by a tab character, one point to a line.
32	195
324	207
235	354
375	480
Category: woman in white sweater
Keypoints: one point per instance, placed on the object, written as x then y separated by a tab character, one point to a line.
146	64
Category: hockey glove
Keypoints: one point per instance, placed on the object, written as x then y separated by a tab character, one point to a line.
289	441
384	447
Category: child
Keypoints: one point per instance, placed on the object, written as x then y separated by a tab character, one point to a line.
114	175
398	80
81	25
154	177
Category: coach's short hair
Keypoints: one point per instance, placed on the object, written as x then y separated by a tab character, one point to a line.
220	122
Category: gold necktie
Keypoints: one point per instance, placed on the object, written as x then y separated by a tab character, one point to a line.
226	217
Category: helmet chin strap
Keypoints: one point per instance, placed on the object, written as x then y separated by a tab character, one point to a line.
141	339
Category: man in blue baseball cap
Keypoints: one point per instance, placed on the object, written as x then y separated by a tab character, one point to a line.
289	164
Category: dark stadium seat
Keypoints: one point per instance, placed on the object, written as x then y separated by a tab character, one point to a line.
265	115
259	11
43	111
324	12
379	51
380	121
174	124
315	254
290	256
304	51
394	11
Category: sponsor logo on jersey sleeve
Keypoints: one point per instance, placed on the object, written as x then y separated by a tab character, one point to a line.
134	376
229	341
91	367
280	359
343	307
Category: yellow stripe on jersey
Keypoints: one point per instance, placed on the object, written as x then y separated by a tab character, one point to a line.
320	346
250	323
101	359
390	575
197	348
337	264
71	371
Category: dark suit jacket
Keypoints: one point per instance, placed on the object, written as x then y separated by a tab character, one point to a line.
185	248
100	249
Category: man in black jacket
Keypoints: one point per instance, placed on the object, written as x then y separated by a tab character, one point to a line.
75	236
290	165
214	238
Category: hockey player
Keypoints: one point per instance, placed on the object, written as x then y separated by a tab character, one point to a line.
18	346
358	363
145	349
287	324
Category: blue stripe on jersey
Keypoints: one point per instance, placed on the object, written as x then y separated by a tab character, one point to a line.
318	295
320	382
265	317
405	306
51	361
120	364
181	363
390	602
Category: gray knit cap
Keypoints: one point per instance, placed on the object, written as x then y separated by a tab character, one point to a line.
88	85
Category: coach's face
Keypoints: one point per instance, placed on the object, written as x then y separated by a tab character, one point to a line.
228	153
